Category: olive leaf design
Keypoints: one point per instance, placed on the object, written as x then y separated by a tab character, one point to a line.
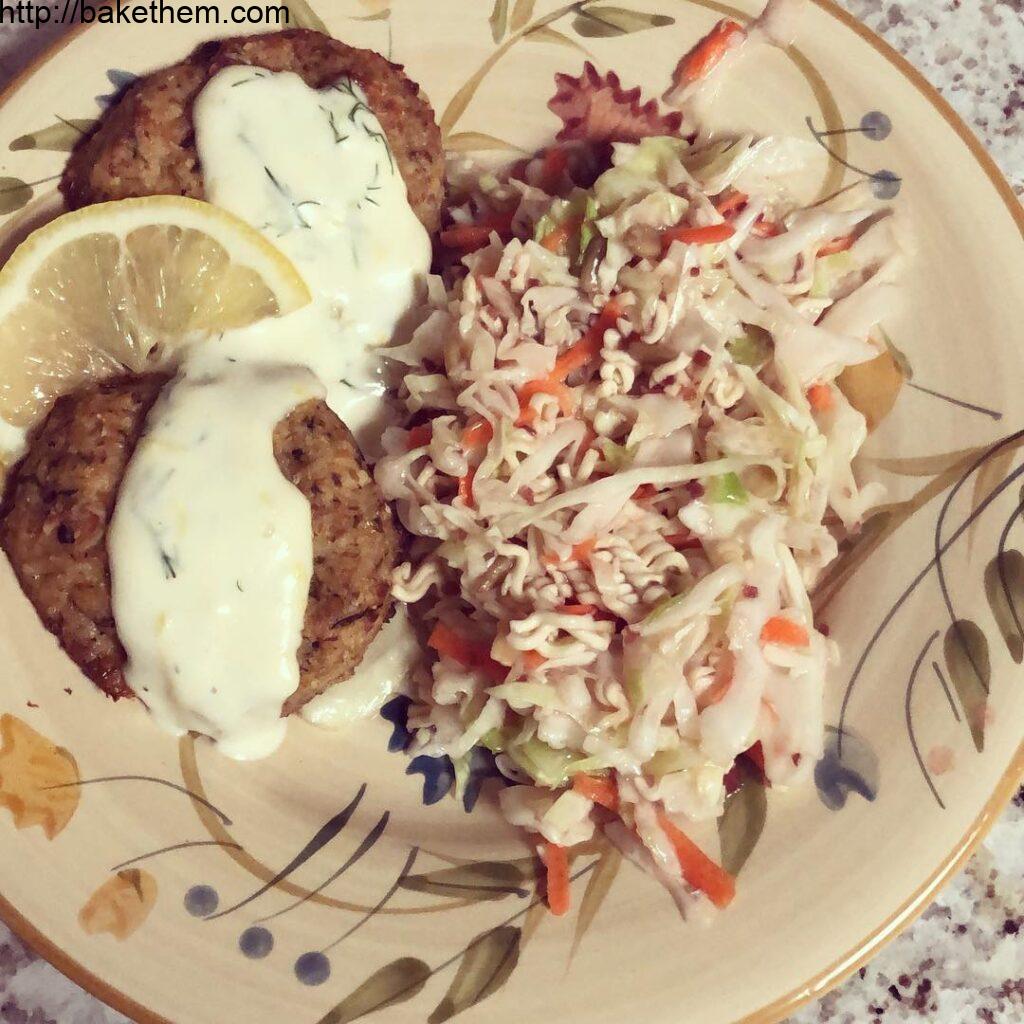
510	29
535	917
486	965
602	21
60	137
546	34
888	519
902	361
302	15
521	14
394	983
742	822
14	194
499	20
460	101
853	554
37	778
1004	587
927	465
967	660
598	886
989	476
481	881
120	906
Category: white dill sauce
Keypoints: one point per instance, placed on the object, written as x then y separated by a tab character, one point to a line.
313	171
387	662
210	547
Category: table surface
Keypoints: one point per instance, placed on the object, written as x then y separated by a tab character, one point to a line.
963	961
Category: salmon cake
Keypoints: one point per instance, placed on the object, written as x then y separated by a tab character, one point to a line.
60	500
145	143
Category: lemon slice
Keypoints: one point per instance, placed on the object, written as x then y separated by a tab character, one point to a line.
122	287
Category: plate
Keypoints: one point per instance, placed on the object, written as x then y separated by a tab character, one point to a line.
339	878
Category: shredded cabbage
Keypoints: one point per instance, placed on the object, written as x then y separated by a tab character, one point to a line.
650	482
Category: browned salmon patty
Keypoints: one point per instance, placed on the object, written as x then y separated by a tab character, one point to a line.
60	499
145	143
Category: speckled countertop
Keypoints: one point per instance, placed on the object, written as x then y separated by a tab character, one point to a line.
963	961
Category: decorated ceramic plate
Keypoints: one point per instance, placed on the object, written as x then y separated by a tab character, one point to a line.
342	877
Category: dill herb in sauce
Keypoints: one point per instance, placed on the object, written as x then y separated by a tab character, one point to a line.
286	195
255	76
339	136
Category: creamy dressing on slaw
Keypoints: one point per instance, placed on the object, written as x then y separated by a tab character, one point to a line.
210	547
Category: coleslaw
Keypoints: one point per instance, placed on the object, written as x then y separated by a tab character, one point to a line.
626	463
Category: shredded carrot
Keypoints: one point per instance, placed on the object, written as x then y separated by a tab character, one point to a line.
527	414
419	436
468	653
466	487
780	630
697	867
478	433
589	346
468	237
708	51
454	645
731	201
766	228
556	863
532	660
577	609
586	349
557	240
821	398
581	552
840	244
598	790
706	235
556	160
721	683
611	312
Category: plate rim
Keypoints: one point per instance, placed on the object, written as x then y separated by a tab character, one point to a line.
903	916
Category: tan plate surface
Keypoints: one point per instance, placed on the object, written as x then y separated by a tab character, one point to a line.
210	933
